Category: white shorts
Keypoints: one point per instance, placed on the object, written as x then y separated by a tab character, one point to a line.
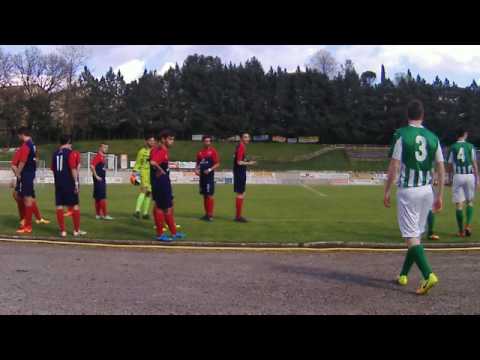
463	187
413	206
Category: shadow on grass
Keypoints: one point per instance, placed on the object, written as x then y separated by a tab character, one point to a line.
342	277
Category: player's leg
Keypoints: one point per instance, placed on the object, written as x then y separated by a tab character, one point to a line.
469	197
20	206
139	203
459	217
458	197
76	221
27	193
61	220
103	203
430	226
239	185
146	204
36	211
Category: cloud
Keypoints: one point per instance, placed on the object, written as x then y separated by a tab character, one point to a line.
165	67
131	70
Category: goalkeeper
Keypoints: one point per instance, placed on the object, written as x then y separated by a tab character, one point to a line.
142	170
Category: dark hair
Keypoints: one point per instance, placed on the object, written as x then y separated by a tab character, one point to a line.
23	130
65	139
165	134
244	133
207	137
149	136
415	110
460	132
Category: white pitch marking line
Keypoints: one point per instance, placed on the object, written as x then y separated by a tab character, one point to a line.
313	190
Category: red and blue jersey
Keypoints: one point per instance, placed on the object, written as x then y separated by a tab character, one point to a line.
63	162
28	155
16	158
99	163
206	158
240	155
160	156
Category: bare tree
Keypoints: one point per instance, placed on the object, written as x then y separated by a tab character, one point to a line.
6	68
75	57
323	62
40	72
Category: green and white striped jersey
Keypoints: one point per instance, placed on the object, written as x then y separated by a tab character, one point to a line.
462	155
417	149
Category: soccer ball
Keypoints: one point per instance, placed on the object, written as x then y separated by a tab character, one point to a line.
135	179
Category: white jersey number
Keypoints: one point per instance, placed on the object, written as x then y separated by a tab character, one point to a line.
461	155
421	153
59	163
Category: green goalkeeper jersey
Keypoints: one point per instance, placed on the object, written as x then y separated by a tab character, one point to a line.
417	149
143	160
461	156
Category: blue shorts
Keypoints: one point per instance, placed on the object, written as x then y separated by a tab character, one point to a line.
25	186
239	181
162	194
66	197
99	190
207	186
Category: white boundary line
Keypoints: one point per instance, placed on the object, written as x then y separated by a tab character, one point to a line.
305	186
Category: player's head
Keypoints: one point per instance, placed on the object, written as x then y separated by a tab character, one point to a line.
66	141
167	138
150	140
24	133
461	133
245	137
207	140
103	148
415	110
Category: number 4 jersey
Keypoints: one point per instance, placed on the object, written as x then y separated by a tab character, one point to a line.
417	149
461	156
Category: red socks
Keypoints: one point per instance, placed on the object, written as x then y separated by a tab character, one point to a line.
76	219
239	205
159	220
171	223
61	219
36	211
28	216
101	207
208	203
97	207
21	208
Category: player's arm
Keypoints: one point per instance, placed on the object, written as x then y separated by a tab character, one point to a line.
240	155
138	161
74	170
216	164
475	166
158	167
23	157
449	167
197	166
393	168
440	169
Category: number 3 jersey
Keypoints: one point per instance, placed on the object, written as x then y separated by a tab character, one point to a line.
417	149
462	155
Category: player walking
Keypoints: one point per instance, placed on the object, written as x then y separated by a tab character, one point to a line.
99	183
413	154
207	162
142	168
67	186
162	188
240	164
462	163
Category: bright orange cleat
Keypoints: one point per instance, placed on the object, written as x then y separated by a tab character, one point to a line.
434	237
24	230
68	213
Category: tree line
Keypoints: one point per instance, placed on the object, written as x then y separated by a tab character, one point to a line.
56	92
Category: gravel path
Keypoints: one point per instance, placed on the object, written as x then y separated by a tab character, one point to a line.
44	279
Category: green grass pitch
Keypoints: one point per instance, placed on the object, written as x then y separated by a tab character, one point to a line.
278	213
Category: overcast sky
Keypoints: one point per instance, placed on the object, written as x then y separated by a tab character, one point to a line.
459	63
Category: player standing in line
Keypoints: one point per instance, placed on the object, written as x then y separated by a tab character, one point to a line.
76	159
207	162
431	215
240	164
413	154
19	199
99	183
25	172
142	168
462	163
67	186
162	188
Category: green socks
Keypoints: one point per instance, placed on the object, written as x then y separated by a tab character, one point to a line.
459	215
431	222
416	254
146	205
469	214
407	264
140	199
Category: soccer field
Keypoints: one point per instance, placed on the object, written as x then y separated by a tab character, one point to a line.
277	213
